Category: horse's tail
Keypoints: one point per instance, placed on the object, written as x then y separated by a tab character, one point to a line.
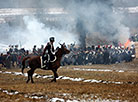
23	63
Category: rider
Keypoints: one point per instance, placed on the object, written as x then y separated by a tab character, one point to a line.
49	53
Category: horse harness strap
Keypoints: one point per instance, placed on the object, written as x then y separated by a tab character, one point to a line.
41	60
54	59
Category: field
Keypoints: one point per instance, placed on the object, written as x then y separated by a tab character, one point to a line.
95	83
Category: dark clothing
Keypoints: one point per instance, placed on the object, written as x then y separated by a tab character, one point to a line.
1	60
49	51
35	51
49	47
106	57
8	61
48	55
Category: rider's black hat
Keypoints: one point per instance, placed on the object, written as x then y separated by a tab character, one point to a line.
52	39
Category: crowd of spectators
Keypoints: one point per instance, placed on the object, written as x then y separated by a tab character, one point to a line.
14	56
96	54
134	37
106	54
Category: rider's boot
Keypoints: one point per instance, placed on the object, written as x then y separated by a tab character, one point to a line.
45	65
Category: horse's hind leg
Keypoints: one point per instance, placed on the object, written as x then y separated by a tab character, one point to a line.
30	74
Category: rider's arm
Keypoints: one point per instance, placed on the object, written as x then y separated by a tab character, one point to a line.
47	46
44	50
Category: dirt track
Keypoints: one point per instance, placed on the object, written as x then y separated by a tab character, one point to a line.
117	82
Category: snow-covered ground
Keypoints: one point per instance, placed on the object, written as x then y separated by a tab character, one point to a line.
64	78
97	70
54	99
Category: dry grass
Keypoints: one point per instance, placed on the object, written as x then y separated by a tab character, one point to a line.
75	90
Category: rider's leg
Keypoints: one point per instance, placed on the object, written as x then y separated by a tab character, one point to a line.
46	61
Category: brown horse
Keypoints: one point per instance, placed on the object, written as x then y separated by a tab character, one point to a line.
35	62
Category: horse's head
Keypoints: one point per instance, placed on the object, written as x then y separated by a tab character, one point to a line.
64	49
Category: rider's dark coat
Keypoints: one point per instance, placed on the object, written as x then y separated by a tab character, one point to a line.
49	50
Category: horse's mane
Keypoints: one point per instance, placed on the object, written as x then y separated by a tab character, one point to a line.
58	51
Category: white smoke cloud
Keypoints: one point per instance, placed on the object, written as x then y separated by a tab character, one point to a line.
98	16
37	33
94	15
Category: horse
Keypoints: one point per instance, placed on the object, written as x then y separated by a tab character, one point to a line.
34	62
6	61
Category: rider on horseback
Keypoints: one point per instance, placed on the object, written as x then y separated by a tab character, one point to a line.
48	54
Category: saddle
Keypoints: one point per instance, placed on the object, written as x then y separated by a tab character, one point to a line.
46	60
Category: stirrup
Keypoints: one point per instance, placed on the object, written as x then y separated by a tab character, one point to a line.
43	66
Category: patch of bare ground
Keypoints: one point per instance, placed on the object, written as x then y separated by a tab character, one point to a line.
70	90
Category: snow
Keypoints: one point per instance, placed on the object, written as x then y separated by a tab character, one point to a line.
121	71
7	72
10	93
65	78
57	99
36	97
97	70
92	81
17	73
73	101
68	78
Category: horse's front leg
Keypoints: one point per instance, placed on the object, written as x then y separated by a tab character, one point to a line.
55	76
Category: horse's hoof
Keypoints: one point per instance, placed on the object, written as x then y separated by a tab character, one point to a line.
27	81
53	80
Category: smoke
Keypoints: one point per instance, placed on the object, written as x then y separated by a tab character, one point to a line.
37	33
33	33
84	19
125	3
41	33
97	16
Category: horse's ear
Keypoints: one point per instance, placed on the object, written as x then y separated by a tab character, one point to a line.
57	48
64	44
60	44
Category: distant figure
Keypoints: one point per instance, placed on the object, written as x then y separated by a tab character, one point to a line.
106	56
49	53
16	49
8	60
40	50
1	59
72	46
34	50
11	49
